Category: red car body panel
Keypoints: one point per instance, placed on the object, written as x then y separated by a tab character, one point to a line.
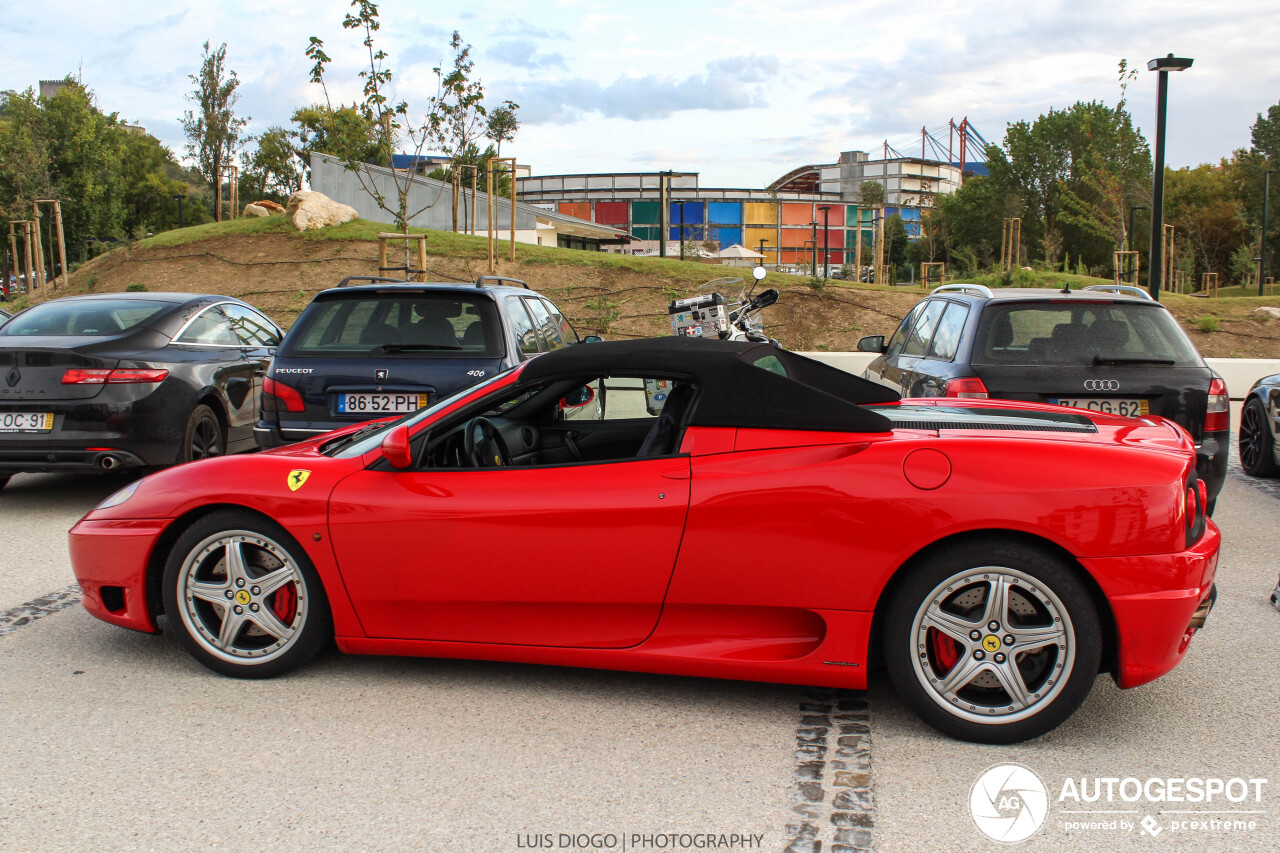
758	553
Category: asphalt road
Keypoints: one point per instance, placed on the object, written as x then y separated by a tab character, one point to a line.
116	741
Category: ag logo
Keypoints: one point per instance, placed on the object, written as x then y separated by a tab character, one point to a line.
1009	803
296	478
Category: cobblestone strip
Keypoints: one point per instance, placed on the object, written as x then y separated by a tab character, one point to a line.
24	614
833	796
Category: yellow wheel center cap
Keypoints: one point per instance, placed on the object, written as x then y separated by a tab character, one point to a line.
991	643
243	597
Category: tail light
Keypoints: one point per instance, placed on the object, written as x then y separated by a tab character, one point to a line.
1197	502
286	394
1217	417
968	386
81	376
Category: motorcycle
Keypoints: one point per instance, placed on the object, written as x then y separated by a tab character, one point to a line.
711	314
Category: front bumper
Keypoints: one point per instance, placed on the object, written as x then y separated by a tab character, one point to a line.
1158	602
110	560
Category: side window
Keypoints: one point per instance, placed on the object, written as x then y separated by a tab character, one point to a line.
947	339
922	332
542	319
211	328
627	398
526	337
250	327
566	330
899	338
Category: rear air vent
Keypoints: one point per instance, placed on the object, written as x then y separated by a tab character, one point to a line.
945	425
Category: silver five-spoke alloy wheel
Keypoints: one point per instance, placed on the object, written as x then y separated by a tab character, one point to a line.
241	596
993	639
992	644
244	595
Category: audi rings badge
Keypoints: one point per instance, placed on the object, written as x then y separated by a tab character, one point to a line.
1101	385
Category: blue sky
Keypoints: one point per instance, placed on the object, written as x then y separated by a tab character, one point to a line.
741	92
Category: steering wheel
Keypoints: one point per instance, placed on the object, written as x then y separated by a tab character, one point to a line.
488	450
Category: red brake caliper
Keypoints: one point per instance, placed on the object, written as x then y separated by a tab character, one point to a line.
945	650
285	603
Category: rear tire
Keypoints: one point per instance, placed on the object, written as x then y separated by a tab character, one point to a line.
1257	445
1002	684
203	438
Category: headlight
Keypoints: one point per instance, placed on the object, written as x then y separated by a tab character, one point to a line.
120	496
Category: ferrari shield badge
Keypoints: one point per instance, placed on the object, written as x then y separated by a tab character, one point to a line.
296	478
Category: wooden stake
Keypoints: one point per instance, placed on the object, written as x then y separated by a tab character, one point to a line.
37	248
489	196
422	257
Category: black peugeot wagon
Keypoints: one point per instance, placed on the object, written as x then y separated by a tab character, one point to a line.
129	380
1106	348
367	350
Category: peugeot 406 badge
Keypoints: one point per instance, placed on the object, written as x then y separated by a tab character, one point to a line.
381	374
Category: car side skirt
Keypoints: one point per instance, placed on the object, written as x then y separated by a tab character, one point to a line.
825	648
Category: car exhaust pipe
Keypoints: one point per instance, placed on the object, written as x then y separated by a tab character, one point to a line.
1202	612
108	463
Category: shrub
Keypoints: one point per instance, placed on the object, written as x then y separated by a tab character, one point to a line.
135	288
1207	324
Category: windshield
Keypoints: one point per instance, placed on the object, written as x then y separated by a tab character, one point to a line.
366	441
1062	333
445	324
91	318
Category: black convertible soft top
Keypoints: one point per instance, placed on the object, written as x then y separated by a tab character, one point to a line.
740	384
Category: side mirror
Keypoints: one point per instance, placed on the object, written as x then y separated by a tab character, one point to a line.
578	397
395	447
871	343
764	300
593	339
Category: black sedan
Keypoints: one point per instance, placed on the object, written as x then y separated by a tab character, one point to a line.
1259	428
129	380
4	316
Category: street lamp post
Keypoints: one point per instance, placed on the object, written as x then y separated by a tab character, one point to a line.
1132	209
814	226
1156	261
1262	263
178	199
826	240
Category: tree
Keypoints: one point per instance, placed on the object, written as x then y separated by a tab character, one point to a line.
213	130
502	125
460	112
272	169
342	132
871	194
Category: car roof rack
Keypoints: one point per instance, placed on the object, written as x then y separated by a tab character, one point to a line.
980	289
1128	289
372	279
483	281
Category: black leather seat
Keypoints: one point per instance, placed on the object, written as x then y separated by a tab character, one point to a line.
665	432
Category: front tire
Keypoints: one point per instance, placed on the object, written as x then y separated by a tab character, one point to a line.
244	597
1257	445
992	641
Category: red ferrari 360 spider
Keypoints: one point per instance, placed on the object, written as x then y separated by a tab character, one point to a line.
691	507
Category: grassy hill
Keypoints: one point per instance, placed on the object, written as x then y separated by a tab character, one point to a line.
269	264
